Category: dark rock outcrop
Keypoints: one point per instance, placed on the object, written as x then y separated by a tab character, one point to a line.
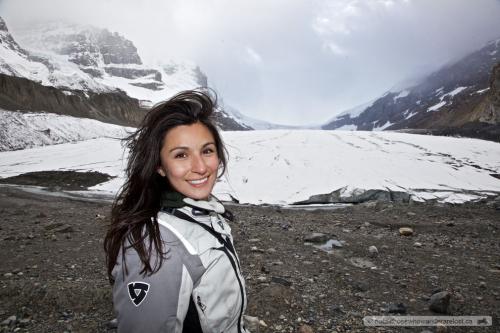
116	49
356	197
114	107
132	73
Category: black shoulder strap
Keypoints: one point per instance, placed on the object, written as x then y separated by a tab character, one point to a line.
226	242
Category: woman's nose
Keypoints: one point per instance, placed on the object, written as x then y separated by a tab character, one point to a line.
198	165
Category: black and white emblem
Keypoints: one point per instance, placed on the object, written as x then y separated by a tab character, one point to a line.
137	292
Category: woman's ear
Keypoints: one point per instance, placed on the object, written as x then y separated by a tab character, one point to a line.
161	172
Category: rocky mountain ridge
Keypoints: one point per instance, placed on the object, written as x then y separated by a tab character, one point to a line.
459	99
88	72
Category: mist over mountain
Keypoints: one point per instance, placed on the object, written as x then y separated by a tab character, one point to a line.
462	98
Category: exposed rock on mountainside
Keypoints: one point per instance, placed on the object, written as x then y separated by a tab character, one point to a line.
454	100
18	93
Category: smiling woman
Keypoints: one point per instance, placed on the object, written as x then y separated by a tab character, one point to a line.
169	248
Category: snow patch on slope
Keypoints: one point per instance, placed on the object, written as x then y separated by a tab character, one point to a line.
19	130
402	94
437	106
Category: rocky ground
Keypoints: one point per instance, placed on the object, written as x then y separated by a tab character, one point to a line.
53	276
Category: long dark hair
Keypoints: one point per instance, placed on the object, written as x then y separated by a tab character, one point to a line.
133	215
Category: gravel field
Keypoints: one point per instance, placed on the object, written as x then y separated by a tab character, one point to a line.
306	270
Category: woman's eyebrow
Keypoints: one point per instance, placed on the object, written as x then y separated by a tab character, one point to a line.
175	148
209	143
187	148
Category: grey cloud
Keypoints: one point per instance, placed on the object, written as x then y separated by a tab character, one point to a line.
317	58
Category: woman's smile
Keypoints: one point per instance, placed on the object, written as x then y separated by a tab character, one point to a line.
198	182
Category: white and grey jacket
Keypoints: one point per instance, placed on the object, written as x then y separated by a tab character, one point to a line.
199	287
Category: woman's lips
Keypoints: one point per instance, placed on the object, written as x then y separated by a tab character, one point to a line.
198	182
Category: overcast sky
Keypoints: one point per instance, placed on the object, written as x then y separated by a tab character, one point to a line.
288	61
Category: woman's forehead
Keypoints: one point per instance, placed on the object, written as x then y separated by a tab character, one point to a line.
193	135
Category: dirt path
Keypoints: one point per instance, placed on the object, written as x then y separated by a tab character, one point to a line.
53	276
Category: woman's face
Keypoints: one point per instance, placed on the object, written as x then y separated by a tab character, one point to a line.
189	160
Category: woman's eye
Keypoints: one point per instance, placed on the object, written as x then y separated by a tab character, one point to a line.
208	151
180	155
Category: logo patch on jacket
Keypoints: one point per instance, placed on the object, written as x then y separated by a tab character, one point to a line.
138	291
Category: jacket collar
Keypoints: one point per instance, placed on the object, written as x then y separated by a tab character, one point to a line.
177	200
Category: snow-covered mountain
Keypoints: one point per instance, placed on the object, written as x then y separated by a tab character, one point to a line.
111	60
461	98
91	72
42	68
256	123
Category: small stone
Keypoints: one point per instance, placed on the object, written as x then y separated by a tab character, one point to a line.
271	250
9	321
373	251
397	308
281	281
305	329
285	226
65	229
53	225
20	274
336	243
112	324
252	323
482	285
405	231
262	323
459	298
254	240
316	237
24	322
262	279
360	286
8	275
417	244
411	214
306	262
277	263
440	302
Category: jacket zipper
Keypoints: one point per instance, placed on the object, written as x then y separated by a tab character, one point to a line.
223	248
232	261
